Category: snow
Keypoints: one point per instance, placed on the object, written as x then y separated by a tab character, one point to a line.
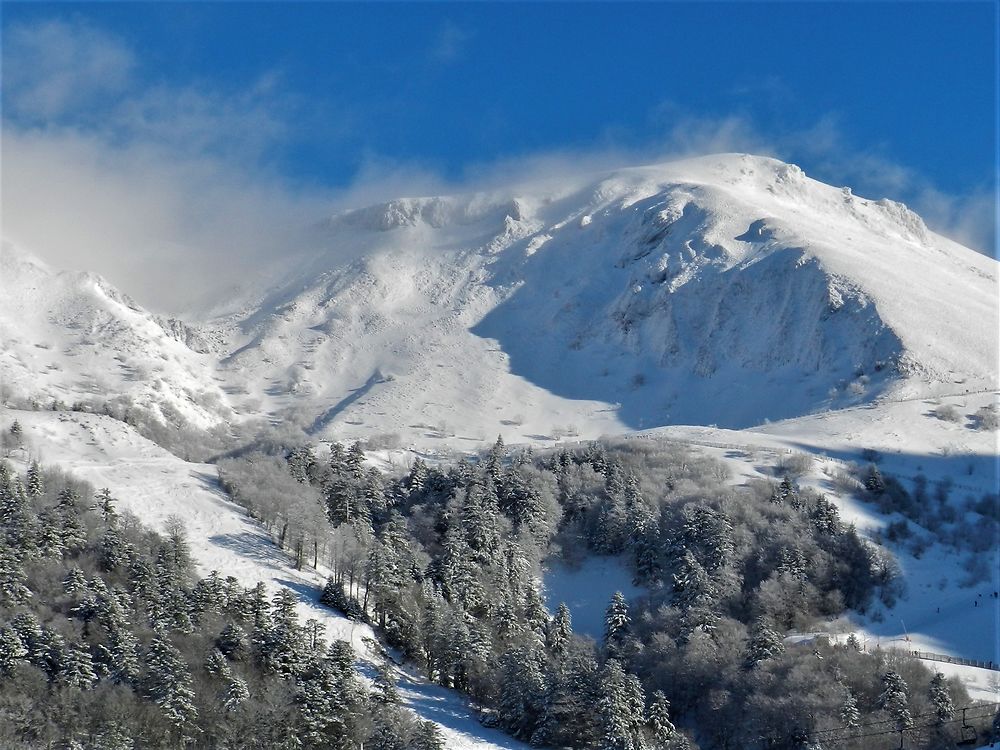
73	337
155	485
587	590
649	296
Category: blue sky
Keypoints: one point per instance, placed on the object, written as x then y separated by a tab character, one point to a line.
311	104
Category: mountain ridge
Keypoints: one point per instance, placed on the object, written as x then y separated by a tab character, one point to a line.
646	296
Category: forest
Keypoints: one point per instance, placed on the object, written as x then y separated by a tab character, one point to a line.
108	641
447	562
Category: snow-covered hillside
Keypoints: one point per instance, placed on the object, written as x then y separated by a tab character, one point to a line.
72	338
727	290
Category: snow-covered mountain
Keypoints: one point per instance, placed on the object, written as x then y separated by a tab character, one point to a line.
725	290
717	293
73	337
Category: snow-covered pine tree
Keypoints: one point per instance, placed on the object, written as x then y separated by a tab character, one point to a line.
13	588
237	693
16	519
72	534
874	481
850	714
763	644
106	505
167	682
893	700
495	460
559	630
12	650
384	684
233	642
616	623
944	708
520	704
427	737
35	484
661	729
620	709
355	460
694	594
77	668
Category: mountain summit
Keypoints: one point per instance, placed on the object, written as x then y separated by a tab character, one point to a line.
727	289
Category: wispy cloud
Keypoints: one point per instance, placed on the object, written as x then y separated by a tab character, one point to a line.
145	183
968	217
57	66
173	232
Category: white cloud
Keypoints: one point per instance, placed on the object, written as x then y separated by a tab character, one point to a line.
56	66
172	232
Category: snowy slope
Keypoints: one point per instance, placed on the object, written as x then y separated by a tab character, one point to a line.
724	290
727	290
154	485
72	337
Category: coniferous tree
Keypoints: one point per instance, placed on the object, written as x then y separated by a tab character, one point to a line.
616	622
494	461
72	535
237	693
661	728
13	589
233	642
764	644
279	645
559	631
106	505
385	685
567	718
122	665
646	545
850	715
893	700
620	709
874	482
167	683
12	650
35	486
216	664
944	708
427	737
694	594
16	433
16	519
522	690
77	669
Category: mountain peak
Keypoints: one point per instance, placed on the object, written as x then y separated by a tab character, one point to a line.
632	298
